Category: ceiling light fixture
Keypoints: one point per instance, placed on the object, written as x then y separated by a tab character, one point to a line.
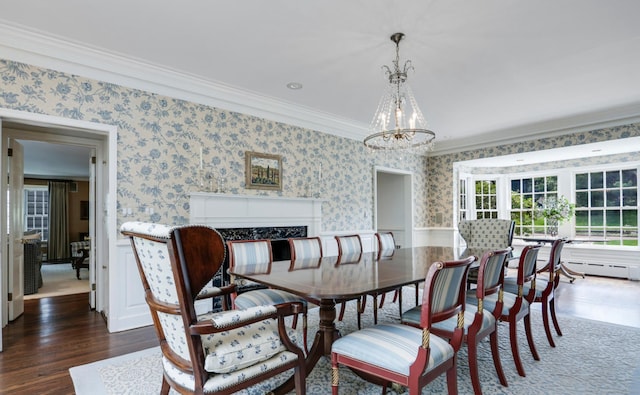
398	123
294	85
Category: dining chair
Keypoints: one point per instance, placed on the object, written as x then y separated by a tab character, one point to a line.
350	252
478	321
212	352
255	256
409	356
386	249
306	253
516	306
545	289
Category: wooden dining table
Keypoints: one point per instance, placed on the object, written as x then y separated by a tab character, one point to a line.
326	281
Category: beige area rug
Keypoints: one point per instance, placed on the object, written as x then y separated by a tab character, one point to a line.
60	279
591	358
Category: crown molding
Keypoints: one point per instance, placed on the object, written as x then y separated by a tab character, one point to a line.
28	46
36	48
615	116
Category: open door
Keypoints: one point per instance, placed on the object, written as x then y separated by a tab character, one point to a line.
92	229
15	253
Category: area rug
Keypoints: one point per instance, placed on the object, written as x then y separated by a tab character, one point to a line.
591	358
60	279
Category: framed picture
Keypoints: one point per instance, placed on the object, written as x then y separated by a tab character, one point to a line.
263	171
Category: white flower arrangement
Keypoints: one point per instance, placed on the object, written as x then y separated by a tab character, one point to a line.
556	209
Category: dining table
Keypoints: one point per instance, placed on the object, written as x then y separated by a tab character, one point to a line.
328	280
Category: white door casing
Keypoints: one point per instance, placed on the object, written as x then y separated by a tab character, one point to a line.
15	253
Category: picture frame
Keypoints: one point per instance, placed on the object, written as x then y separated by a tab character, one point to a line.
263	171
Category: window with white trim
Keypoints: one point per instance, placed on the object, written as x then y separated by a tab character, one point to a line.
486	198
525	192
607	206
36	210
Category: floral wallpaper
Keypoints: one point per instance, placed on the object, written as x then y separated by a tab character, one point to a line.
160	139
440	168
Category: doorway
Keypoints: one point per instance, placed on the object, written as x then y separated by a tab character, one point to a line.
394	204
102	140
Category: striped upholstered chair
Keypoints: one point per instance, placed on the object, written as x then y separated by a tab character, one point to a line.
255	256
478	321
409	356
350	252
306	252
386	249
516	306
207	352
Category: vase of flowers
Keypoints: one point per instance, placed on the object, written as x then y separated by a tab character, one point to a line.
555	210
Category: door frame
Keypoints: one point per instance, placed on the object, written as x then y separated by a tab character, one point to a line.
407	203
72	132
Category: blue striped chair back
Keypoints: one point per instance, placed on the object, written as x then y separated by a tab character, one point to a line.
250	256
349	245
445	290
386	244
492	270
305	248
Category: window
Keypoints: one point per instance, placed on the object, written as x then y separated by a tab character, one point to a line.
607	206
525	192
36	212
462	200
486	199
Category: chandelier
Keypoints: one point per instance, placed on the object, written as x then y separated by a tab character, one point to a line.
398	123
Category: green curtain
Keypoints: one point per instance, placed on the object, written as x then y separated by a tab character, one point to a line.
58	245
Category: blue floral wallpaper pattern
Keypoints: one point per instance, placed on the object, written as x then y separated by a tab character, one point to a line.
159	142
160	138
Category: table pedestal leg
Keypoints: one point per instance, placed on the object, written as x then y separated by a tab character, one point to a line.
570	273
322	342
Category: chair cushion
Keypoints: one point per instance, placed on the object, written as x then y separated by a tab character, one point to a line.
236	349
511	285
392	346
490	301
413	315
265	297
219	382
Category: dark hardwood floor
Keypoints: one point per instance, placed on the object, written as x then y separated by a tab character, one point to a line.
55	334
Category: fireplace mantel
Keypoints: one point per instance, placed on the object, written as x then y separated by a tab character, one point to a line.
245	211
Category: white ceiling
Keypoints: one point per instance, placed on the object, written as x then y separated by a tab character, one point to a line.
485	71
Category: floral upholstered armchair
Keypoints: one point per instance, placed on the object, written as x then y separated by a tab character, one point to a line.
210	352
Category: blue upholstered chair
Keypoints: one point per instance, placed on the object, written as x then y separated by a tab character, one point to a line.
386	249
210	352
409	356
255	256
516	306
306	252
478	321
545	288
350	252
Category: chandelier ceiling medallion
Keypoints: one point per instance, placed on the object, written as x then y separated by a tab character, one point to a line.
398	123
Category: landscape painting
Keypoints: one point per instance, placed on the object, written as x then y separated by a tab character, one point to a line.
263	171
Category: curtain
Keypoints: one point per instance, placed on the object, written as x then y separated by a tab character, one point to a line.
58	245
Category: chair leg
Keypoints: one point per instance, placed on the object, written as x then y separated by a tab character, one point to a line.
400	303
495	353
294	324
382	299
341	315
513	338
395	295
164	390
552	307
334	375
417	293
545	321
452	379
527	330
304	333
375	309
472	350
